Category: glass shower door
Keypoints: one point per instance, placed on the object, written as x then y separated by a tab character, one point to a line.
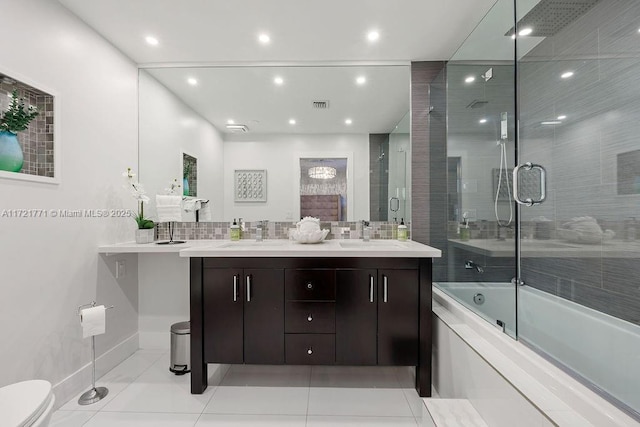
579	104
480	146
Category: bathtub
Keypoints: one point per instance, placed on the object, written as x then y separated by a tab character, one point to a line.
498	300
601	350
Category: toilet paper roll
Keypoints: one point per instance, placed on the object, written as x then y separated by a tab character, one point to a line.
93	321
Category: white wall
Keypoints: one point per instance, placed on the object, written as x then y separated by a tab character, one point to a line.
50	265
280	155
168	127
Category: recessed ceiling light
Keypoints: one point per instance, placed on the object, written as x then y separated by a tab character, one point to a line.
230	122
278	80
373	36
525	31
192	81
483	120
469	79
361	80
551	122
562	117
348	121
264	38
151	40
292	121
567	74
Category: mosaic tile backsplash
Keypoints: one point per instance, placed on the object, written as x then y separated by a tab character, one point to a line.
273	230
37	140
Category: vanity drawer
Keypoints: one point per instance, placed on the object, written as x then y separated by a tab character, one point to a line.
310	285
310	349
310	317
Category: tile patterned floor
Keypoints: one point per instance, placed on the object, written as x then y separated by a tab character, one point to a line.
142	392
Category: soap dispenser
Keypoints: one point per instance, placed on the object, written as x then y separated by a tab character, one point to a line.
235	231
402	231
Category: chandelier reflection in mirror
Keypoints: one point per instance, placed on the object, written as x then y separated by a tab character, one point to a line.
322	172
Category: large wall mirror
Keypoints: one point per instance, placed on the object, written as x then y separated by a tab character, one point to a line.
272	125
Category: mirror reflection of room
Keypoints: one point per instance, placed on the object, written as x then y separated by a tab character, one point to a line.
323	189
269	118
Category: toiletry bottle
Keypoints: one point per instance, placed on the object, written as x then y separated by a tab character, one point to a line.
235	231
402	231
465	233
394	229
241	225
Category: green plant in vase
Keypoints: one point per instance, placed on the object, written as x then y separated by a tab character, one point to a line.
12	121
186	170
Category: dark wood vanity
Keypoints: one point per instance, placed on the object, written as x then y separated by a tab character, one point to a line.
309	310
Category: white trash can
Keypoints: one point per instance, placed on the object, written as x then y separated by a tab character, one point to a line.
180	348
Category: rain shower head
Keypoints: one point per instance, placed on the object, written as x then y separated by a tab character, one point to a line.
548	17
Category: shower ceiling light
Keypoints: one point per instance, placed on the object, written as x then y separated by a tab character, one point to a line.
483	120
525	31
567	74
562	117
322	172
151	40
470	79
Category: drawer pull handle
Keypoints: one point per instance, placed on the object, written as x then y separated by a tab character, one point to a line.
249	288
309	285
370	288
310	351
309	318
235	288
384	288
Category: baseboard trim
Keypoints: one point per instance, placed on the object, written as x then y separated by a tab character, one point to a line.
81	379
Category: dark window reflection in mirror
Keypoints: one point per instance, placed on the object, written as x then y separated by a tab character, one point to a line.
189	175
323	188
629	172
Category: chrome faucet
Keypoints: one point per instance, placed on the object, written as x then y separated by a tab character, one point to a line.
366	231
472	265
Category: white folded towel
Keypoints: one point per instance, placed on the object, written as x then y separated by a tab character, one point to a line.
169	208
204	213
168	200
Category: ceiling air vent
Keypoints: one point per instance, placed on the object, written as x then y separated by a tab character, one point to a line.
320	105
237	128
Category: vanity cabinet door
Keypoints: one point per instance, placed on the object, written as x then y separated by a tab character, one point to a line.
398	317
263	316
356	315
223	315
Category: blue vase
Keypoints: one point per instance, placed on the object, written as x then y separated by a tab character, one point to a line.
185	187
11	158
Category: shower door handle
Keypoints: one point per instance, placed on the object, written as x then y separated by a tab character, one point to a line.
543	184
397	204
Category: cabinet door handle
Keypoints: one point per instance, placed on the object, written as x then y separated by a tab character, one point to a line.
309	318
235	287
370	288
310	350
384	288
248	288
310	286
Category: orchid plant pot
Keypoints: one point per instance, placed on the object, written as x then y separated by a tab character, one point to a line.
145	235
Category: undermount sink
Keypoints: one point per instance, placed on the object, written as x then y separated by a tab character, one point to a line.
379	244
254	244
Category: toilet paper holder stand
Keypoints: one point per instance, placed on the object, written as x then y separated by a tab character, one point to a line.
95	394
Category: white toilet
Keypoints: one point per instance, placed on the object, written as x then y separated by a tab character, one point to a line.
26	404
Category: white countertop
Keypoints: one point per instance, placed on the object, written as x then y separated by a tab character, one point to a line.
283	248
532	248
